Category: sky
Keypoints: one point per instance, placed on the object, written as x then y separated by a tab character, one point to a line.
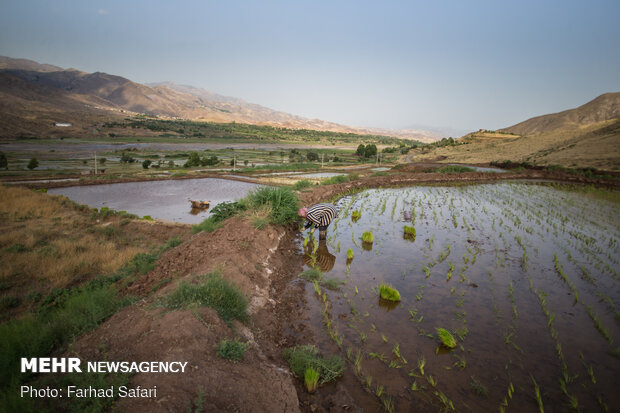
449	65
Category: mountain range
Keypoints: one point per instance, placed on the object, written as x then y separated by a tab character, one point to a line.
34	96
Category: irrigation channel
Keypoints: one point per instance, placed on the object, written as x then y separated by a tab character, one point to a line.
524	277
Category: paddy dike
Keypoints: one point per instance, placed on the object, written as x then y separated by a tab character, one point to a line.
264	264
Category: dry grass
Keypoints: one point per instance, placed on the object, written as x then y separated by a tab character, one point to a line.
48	242
591	146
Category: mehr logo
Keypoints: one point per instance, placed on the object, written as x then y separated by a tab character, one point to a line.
51	365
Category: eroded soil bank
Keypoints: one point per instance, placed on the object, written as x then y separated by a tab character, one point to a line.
264	264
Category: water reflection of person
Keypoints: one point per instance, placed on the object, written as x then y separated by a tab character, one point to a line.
318	216
324	259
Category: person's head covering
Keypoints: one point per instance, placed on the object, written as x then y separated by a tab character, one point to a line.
302	212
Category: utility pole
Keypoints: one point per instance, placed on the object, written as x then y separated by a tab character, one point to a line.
95	163
234	162
322	155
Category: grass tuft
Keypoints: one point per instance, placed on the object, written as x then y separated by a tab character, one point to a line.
214	292
283	203
301	184
367	237
231	349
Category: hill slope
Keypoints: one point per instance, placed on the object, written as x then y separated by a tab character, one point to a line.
588	136
100	92
603	108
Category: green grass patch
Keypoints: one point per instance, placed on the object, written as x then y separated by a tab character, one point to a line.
208	225
338	179
301	358
283	202
389	293
301	184
231	349
214	292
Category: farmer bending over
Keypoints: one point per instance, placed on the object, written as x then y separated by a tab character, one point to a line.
319	215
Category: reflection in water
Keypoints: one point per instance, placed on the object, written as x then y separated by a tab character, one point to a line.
387	304
322	259
367	246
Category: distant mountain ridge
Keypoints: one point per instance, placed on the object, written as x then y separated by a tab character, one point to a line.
47	92
603	108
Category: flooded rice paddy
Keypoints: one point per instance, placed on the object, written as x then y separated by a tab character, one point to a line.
524	277
167	200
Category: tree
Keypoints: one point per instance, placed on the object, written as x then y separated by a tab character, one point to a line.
370	151
194	160
361	150
127	158
146	163
33	164
102	161
312	156
4	163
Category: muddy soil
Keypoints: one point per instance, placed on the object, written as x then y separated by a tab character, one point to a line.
264	264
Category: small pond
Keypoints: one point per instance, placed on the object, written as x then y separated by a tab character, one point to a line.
167	200
524	277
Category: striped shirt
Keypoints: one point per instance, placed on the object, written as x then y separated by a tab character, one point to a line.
321	215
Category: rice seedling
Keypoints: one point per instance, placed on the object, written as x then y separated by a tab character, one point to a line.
414	386
537	395
450	271
300	358
378	356
378	390
358	363
447	339
421	364
448	405
356	215
478	388
431	380
389	293
409	233
388	404
349	254
311	379
367	237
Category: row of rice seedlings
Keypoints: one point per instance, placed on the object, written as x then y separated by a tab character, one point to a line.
559	269
444	254
599	326
507	398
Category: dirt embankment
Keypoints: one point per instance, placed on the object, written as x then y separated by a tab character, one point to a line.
260	263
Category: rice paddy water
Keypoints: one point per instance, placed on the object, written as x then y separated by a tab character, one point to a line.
509	298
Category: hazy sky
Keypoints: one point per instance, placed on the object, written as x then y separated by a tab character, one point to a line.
434	63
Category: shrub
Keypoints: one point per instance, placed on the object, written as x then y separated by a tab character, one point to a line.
216	293
301	184
367	237
389	293
32	164
446	337
231	349
301	358
146	163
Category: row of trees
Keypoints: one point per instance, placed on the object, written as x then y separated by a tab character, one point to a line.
366	151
